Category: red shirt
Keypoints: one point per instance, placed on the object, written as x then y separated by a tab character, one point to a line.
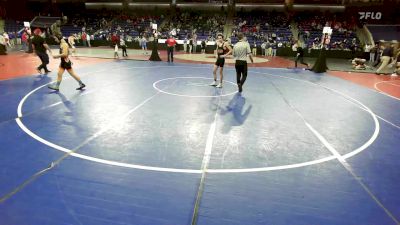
115	39
24	37
170	42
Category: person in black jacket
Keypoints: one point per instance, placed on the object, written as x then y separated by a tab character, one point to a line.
299	55
40	48
203	46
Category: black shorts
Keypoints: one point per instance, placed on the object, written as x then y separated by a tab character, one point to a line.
220	62
66	65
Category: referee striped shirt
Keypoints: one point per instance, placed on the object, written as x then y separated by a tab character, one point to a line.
241	50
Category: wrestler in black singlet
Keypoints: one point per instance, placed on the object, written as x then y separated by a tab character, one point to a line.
65	62
220	51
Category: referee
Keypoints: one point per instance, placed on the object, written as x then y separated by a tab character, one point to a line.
240	52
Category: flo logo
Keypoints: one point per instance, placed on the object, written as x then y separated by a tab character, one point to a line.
370	15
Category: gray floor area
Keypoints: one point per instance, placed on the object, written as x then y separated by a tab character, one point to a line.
138	54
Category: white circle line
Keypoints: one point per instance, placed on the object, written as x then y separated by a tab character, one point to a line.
382	92
393	84
90	158
162	169
271	168
191	96
19	108
365	108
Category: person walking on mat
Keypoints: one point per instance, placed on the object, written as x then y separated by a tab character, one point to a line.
40	48
65	64
240	52
223	50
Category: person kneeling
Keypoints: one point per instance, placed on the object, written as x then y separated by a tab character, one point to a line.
358	64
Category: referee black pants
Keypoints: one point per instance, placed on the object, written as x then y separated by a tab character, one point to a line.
241	71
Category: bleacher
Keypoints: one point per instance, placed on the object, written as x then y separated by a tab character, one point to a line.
259	28
44	21
385	32
204	25
310	27
12	26
133	28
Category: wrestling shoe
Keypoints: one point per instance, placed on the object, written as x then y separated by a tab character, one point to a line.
54	87
82	86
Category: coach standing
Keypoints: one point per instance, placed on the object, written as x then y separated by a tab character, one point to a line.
40	47
240	52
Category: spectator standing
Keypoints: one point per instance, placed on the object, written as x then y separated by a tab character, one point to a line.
263	45
367	51
185	43
171	42
203	46
372	53
123	46
194	43
88	39
190	45
84	38
143	43
299	55
254	48
274	47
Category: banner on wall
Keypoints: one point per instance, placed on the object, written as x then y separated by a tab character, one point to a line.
374	14
370	15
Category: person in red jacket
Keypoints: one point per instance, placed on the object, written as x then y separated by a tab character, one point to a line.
171	42
24	40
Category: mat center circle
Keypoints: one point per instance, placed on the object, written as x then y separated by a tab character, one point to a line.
195	87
